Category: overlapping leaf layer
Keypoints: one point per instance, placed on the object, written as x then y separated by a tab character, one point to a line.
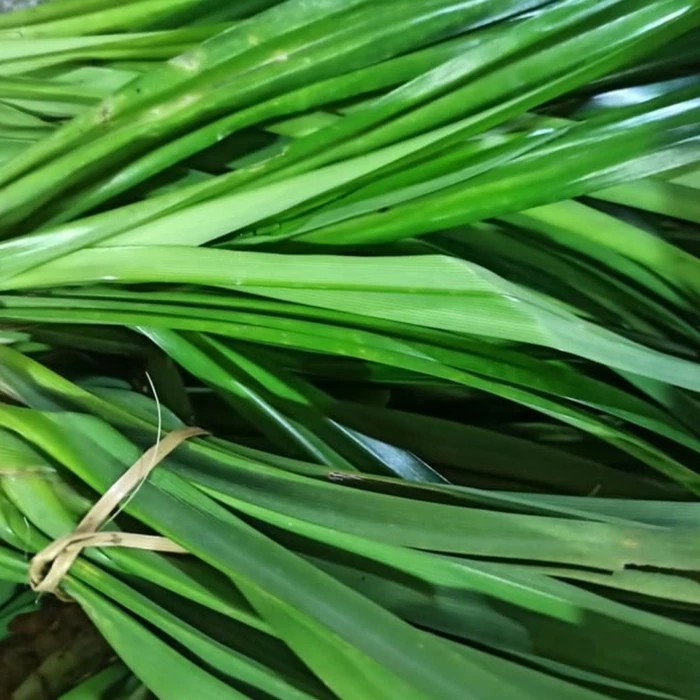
428	272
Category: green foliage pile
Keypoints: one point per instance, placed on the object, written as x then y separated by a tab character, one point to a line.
428	272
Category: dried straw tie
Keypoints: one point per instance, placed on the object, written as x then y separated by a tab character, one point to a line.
60	555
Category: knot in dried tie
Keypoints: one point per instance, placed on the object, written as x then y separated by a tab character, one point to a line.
48	568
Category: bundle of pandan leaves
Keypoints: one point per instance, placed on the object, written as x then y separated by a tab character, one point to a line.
426	272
